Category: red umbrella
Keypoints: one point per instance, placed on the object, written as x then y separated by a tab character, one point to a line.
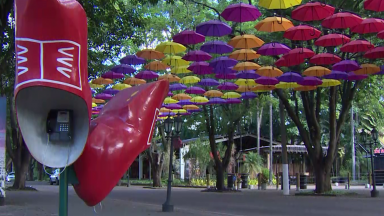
375	53
332	40
369	25
374	5
380	35
302	33
356	46
312	11
341	20
301	52
187	37
289	60
325	59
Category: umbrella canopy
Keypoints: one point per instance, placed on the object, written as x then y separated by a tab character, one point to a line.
201	68
267	80
98	101
325	59
312	11
172	106
190	107
367	69
222	62
146	75
175	61
170	78
262	88
375	53
300	52
228	70
287	85
305	88
246	41
208	82
337	75
102	81
356	46
274	24
245	88
369	25
289	60
290	77
94	105
242	66
310	81
228	86
213	28
170	94
269	71
245	82
329	83
170	48
195	90
121	86
123	68
177	87
111	91
279	4
248	95
104	96
374	5
273	49
187	37
216	100
132	60
189	80
156	66
302	33
332	40
247	74
231	95
342	20
169	100
241	12
197	55
213	93
233	101
244	55
318	71
112	75
199	99
163	110
217	47
181	96
185	102
181	70
346	66
134	81
354	77
150	54
227	76
92	85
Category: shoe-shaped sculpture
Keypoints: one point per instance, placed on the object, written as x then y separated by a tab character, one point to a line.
123	129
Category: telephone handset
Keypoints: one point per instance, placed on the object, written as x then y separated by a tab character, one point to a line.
60	125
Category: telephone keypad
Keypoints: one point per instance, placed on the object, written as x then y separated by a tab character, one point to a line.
64	127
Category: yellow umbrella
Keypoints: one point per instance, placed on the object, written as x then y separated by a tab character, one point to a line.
190	107
244	54
246	66
246	42
199	99
169	100
329	83
213	93
97	101
181	96
244	89
170	48
287	85
170	77
179	110
274	24
245	82
150	54
189	80
305	88
156	66
95	85
231	95
180	70
278	4
121	86
163	110
175	61
94	105
134	81
269	71
318	71
102	81
367	69
262	88
165	117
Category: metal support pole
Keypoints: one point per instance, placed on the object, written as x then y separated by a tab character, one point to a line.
63	193
353	146
168	206
270	142
374	192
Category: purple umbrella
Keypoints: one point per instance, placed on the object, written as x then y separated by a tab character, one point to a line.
170	94
248	74
217	100
103	96
233	101
290	77
123	68
187	37
110	91
195	110
228	70
172	106
346	66
248	95
166	114
208	82
185	102
217	47
185	114
112	75
93	91
177	86
337	75
381	72
228	86
204	103
132	60
222	63
197	55
241	12
228	76
267	80
310	81
214	28
146	74
354	77
273	49
200	68
195	90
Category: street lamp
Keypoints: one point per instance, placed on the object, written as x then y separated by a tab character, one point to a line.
364	138
168	126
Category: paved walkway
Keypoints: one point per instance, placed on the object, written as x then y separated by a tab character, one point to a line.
137	201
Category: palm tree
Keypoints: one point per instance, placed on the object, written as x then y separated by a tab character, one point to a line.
253	164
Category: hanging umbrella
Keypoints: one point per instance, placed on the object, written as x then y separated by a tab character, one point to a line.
187	37
274	24
262	88
245	88
197	55
132	60
213	28
342	20
233	101
247	74
177	87
123	68
170	94
329	83
367	69
346	66
302	33
199	99
244	55
217	47
94	105
170	48
381	72
289	60
121	86
231	95
150	54
201	68
222	63
245	82
98	101
175	61
318	71
208	82
278	4
102	81
172	106
241	12
195	90
156	66
134	81
287	85
332	40
164	110
228	70
369	25
146	75
336	75
169	100
93	91
300	53
310	81
305	88
213	93
228	76
228	86
374	5
248	95
112	75
380	35
110	91
170	78
190	107
185	102
189	80
216	100
181	70
242	66
267	80
192	111
162	115
245	41
289	77
325	59
269	71
312	11
92	85
181	96
356	46
179	111
375	53
273	49
103	96
354	77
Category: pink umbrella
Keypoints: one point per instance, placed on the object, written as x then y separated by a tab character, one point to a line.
228	86
195	90
310	81
147	75
112	75
241	12
267	80
201	68
187	37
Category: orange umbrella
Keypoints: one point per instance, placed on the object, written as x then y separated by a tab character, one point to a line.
150	54
246	66
244	88
263	88
269	71
305	88
190	107
246	42
164	110
134	81
274	24
244	54
156	65
367	69
102	81
98	101
318	71
181	96
170	78
213	93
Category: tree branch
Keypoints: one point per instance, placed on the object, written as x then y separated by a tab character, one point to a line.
210	7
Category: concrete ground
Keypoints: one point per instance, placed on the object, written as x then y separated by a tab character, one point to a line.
137	201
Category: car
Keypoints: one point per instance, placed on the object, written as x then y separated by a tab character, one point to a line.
54	178
10	177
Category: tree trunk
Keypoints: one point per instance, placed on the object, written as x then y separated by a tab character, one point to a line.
157	167
220	177
40	170
21	166
323	179
31	169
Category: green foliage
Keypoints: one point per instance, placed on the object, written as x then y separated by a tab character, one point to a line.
253	182
264	175
253	163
